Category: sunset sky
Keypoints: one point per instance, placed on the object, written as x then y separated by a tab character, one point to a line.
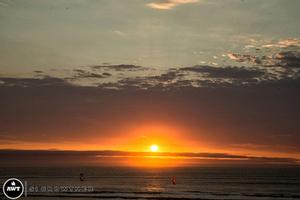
190	76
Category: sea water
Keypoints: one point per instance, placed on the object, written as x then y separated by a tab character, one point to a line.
154	183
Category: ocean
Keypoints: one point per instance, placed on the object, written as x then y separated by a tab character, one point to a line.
47	183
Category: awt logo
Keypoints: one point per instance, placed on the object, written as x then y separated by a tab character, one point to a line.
13	188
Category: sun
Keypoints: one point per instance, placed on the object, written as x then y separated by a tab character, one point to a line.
154	148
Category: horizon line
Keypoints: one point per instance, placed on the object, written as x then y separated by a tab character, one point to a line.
136	154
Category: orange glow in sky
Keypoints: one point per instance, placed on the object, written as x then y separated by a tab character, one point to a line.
152	138
156	137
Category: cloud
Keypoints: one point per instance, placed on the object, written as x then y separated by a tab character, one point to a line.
120	33
121	67
290	42
169	4
285	59
166	77
263	65
86	74
279	59
117	76
38	72
226	72
244	58
195	76
289	59
45	81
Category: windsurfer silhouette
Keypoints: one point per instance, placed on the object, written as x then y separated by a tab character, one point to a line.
81	177
173	180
